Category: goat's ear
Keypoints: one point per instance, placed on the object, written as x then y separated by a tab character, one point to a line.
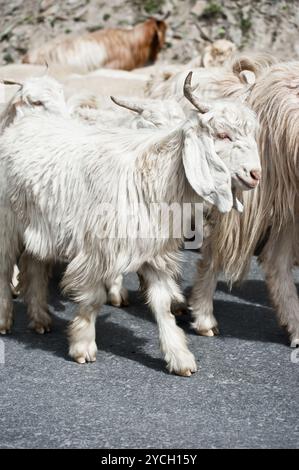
206	172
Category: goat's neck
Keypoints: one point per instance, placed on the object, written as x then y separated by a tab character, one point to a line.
141	43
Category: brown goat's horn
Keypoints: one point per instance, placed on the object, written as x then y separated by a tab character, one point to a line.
47	68
190	96
11	82
166	16
127	105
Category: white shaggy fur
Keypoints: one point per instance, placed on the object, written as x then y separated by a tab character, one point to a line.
57	176
34	95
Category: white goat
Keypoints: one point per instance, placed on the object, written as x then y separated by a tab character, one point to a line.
57	177
150	114
43	95
269	226
35	95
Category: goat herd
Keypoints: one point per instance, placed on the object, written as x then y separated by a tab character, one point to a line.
71	175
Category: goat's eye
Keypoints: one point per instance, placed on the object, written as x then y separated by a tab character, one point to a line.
37	103
223	135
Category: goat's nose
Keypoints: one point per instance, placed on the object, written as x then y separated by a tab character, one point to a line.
255	175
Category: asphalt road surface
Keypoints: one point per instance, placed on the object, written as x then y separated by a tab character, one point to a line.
245	393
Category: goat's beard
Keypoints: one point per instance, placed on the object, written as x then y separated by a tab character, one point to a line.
237	204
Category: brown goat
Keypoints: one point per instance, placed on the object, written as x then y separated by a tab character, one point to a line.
124	49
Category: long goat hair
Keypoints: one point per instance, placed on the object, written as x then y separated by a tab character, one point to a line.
111	48
275	99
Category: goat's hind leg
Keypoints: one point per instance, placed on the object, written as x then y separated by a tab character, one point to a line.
277	261
159	289
33	286
201	302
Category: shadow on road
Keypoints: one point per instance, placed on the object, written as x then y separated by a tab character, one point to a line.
237	319
112	338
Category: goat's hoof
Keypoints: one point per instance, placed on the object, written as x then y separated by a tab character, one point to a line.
185	373
41	325
295	342
179	308
84	359
5	326
119	299
183	365
212	332
41	330
5	331
83	353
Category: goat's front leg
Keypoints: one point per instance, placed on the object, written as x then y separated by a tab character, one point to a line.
160	291
201	301
81	332
33	287
277	261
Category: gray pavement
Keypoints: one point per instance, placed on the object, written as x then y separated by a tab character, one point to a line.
245	393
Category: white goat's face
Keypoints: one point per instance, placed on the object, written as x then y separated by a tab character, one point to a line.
43	92
232	126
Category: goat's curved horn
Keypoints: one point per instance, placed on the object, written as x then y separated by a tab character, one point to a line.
47	68
11	82
127	105
202	108
166	16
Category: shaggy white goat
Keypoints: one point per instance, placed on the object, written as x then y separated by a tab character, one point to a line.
57	178
43	95
269	226
35	94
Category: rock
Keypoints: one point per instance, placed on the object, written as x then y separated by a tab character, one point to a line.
45	5
199	7
250	25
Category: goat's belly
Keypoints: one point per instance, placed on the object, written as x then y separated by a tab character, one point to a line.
156	252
